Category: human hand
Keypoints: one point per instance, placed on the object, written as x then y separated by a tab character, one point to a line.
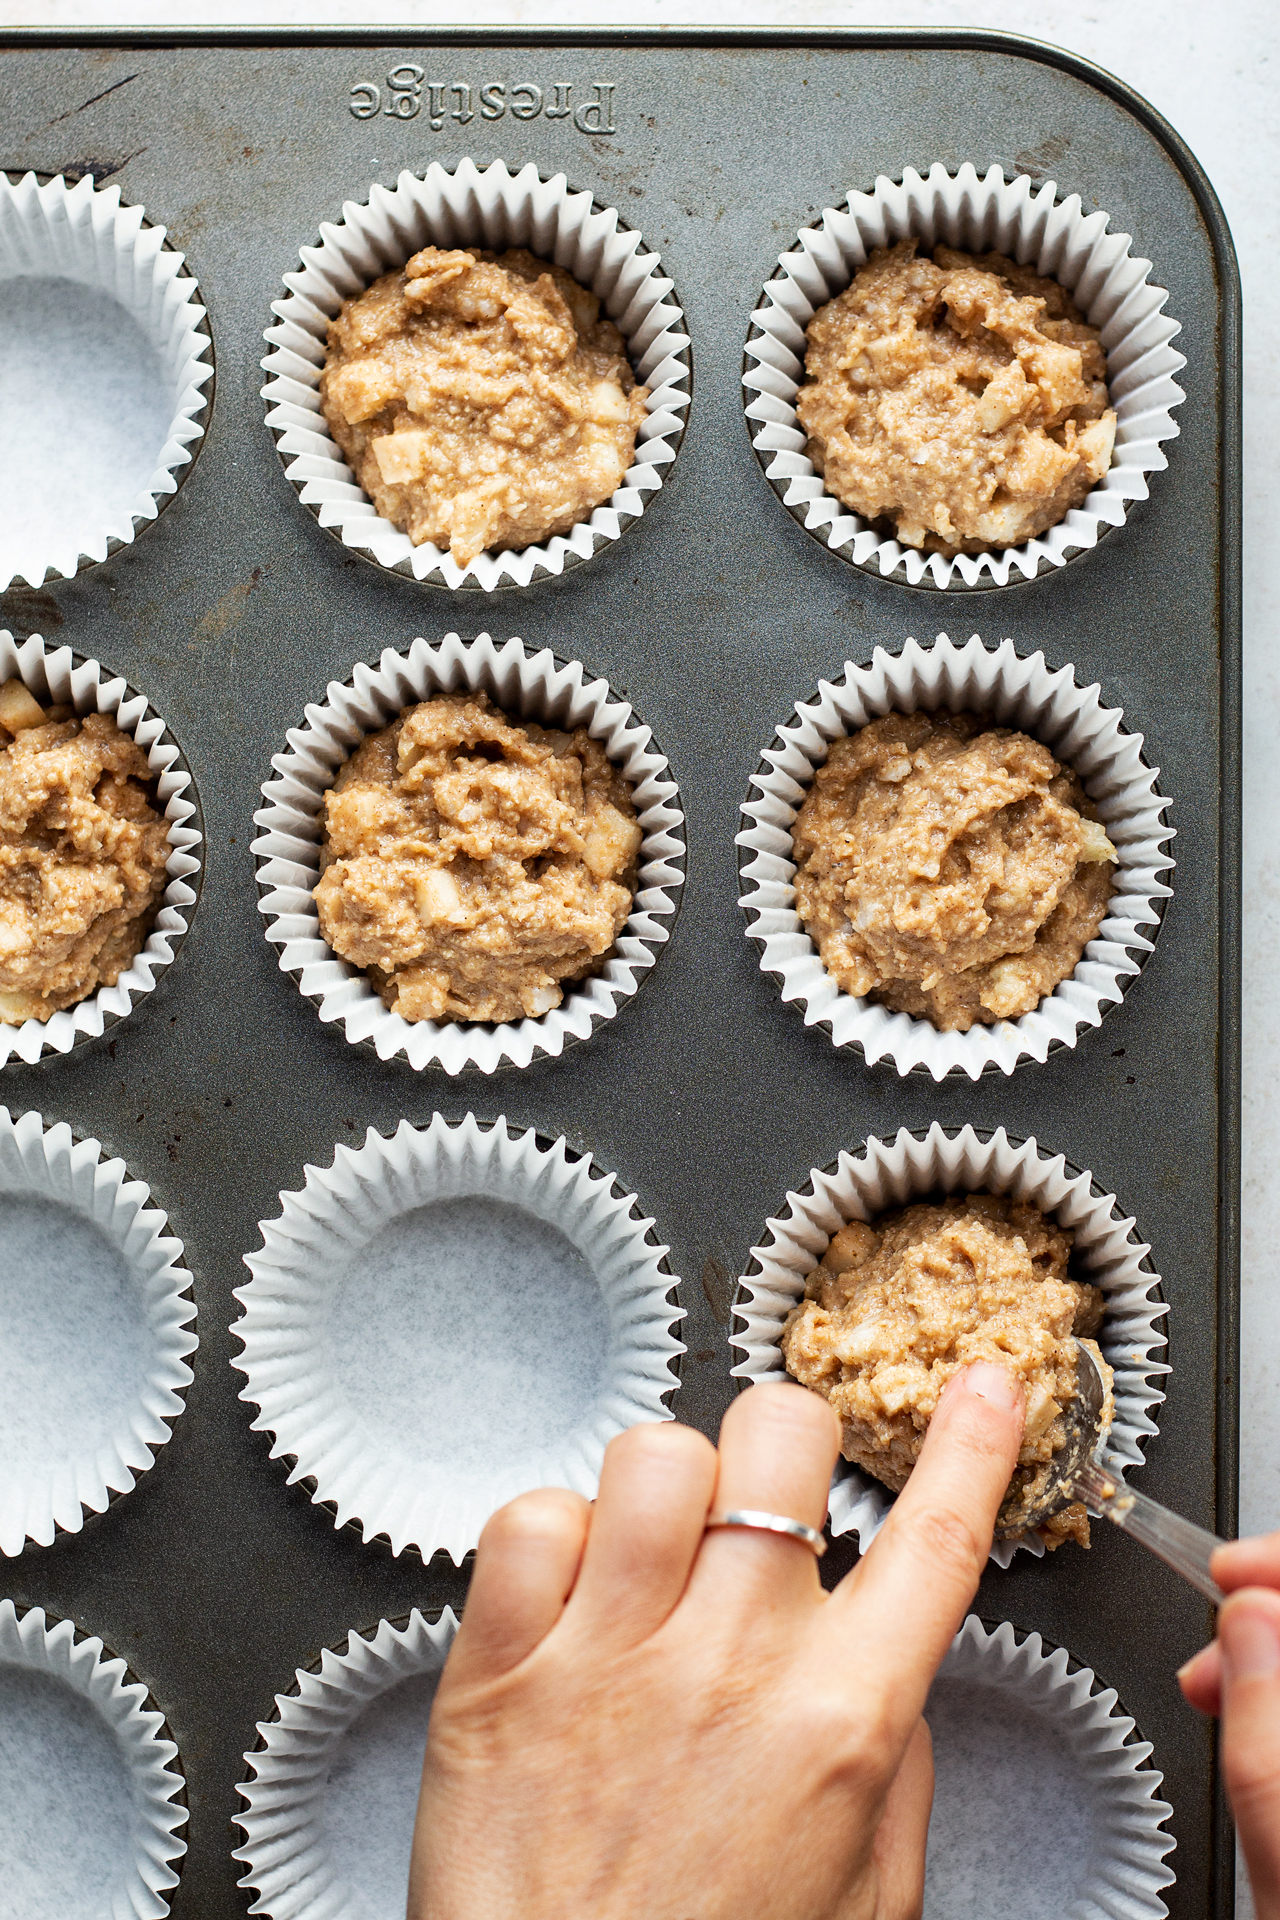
1238	1676
642	1721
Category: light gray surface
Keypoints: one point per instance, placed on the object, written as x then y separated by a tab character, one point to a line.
82	390
77	1343
1029	1780
66	1836
439	1328
372	1796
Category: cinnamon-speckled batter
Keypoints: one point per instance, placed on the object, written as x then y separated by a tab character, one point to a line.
473	864
961	399
898	1306
82	854
481	399
949	869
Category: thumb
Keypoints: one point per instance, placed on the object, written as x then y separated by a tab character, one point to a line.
1249	1635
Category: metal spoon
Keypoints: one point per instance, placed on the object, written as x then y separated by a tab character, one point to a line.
1077	1474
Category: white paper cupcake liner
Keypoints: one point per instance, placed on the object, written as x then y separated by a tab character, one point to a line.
485	207
58	675
412	1401
1028	1742
1080	731
83	233
330	1808
893	1173
527	686
91	1813
96	1331
1026	224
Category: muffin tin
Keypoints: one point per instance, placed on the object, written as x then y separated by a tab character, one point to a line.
715	615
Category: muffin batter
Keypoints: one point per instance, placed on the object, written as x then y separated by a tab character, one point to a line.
480	399
472	865
82	854
962	399
898	1306
949	870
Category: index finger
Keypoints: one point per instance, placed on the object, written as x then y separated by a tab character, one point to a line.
910	1592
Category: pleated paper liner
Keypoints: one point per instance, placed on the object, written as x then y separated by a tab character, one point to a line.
441	1320
885	1174
527	686
97	1324
1026	223
59	676
90	1781
333	1784
1045	1800
1012	692
53	231
488	207
1026	1741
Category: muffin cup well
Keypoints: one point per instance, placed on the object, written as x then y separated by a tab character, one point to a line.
472	207
83	233
296	1771
58	675
885	1174
40	1496
49	1650
298	1371
527	686
1030	225
1015	692
1046	1724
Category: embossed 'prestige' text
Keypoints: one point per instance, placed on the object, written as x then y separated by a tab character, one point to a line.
407	92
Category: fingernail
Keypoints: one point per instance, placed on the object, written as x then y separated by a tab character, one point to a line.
1250	1646
994	1384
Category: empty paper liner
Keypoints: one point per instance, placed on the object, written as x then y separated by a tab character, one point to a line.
91	1791
441	1320
95	1316
334	1779
105	365
1045	1803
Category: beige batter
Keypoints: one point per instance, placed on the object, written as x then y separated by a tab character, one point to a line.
899	1306
480	399
472	864
962	399
82	854
948	869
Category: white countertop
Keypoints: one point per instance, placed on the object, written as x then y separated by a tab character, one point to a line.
1212	73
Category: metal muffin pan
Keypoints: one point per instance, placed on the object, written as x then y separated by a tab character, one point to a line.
714	616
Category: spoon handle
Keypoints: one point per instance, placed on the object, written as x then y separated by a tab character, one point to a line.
1178	1542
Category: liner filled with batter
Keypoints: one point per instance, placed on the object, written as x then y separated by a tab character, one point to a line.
965	445
938	1170
508	376
907	890
483	881
900	1304
99	856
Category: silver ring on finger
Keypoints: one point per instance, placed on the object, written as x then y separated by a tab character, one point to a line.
757	1521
